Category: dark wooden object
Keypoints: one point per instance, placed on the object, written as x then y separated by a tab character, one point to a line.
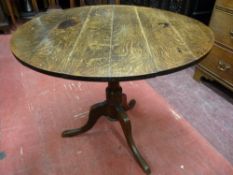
13	6
111	43
199	9
3	18
10	9
218	65
4	24
114	108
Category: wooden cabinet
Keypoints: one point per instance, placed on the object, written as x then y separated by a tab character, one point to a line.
218	65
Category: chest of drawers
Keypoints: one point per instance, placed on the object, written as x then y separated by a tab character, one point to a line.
218	65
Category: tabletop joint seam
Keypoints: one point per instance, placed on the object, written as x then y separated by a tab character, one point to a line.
110	43
76	41
144	36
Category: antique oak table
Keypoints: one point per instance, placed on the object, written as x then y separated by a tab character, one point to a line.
111	43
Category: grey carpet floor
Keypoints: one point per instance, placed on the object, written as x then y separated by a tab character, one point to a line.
208	108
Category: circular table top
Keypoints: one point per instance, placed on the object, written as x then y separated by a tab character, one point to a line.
111	42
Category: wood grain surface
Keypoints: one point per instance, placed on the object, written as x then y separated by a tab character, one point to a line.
111	42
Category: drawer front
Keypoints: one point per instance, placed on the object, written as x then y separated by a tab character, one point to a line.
228	4
222	25
220	63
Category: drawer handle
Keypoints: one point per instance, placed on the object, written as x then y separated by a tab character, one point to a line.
231	33
223	66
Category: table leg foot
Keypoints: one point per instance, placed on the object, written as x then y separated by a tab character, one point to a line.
127	106
96	112
126	126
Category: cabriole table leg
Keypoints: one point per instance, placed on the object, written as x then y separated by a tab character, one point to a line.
95	113
127	129
114	108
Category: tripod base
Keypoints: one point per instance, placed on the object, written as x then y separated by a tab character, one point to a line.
114	108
